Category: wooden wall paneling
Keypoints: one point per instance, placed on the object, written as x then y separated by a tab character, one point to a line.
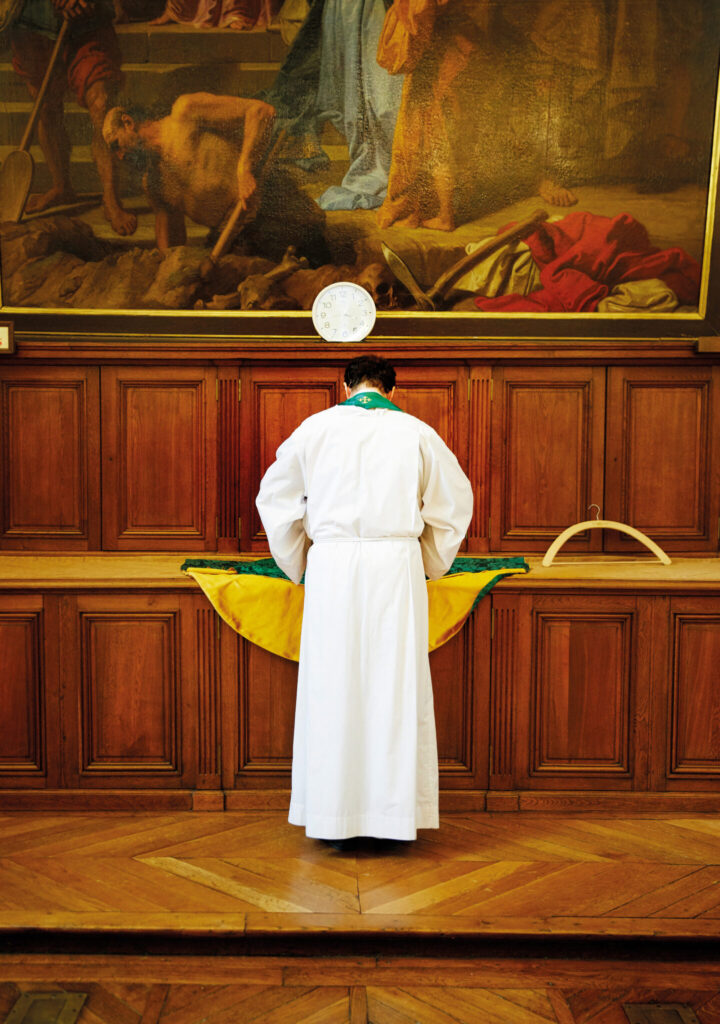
229	650
209	697
130	702
228	458
687	748
663	456
259	750
264	703
480	387
438	395
29	752
510	671
50	465
275	400
547	455
582	708
159	458
460	672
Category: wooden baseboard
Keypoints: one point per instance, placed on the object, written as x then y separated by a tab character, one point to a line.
554	802
451	801
128	800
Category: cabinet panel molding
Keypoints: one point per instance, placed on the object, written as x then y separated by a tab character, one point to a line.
264	711
663	446
694	708
159	458
275	402
581	693
129	665
547	455
266	686
510	618
228	459
480	395
22	696
129	692
49	464
207	627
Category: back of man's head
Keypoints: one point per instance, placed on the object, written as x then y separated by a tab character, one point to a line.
371	370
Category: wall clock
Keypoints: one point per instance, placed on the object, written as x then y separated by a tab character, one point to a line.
343	312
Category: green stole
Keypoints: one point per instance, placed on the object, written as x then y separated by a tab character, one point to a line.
371	400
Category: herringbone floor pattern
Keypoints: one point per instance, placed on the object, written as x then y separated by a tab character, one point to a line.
245	873
120	1002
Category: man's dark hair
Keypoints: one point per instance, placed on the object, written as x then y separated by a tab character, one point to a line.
372	370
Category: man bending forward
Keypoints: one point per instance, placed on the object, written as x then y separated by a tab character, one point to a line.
366	500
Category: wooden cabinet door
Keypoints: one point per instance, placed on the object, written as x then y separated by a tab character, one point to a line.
30	732
50	464
460	672
159	458
663	456
129	691
259	691
275	400
570	692
438	396
686	733
547	455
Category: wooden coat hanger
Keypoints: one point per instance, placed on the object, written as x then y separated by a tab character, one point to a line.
604	524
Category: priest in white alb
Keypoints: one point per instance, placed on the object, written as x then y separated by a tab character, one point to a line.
366	501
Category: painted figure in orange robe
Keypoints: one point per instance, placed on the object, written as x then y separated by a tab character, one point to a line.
504	101
432	43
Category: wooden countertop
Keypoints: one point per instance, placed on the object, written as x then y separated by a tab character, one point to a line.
33	570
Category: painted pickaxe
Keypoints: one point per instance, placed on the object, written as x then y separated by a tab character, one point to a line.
432	300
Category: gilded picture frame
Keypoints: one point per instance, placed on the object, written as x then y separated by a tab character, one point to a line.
676	196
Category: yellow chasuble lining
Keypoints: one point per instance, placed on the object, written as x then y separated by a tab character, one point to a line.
268	611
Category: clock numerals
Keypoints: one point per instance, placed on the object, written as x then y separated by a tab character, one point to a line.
343	312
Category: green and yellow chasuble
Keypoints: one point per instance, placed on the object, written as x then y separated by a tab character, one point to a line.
256	598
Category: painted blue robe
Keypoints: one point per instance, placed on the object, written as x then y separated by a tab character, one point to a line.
359	98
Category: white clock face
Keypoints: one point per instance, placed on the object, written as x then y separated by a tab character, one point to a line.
343	312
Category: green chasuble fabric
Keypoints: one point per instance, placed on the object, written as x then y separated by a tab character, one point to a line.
371	400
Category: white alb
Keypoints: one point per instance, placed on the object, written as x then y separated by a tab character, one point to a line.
366	502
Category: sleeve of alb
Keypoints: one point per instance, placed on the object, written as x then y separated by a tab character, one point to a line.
446	505
281	503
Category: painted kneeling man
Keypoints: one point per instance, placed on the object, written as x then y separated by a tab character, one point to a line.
366	500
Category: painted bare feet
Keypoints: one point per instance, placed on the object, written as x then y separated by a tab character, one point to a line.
164	19
556	195
241	24
443	222
122	222
40	201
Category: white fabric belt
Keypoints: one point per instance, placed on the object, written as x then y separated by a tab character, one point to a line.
360	540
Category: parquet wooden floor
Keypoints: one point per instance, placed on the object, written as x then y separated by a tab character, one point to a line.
399	997
253	874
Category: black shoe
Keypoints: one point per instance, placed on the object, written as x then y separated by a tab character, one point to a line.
342	845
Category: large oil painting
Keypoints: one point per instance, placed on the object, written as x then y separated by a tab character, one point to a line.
239	155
